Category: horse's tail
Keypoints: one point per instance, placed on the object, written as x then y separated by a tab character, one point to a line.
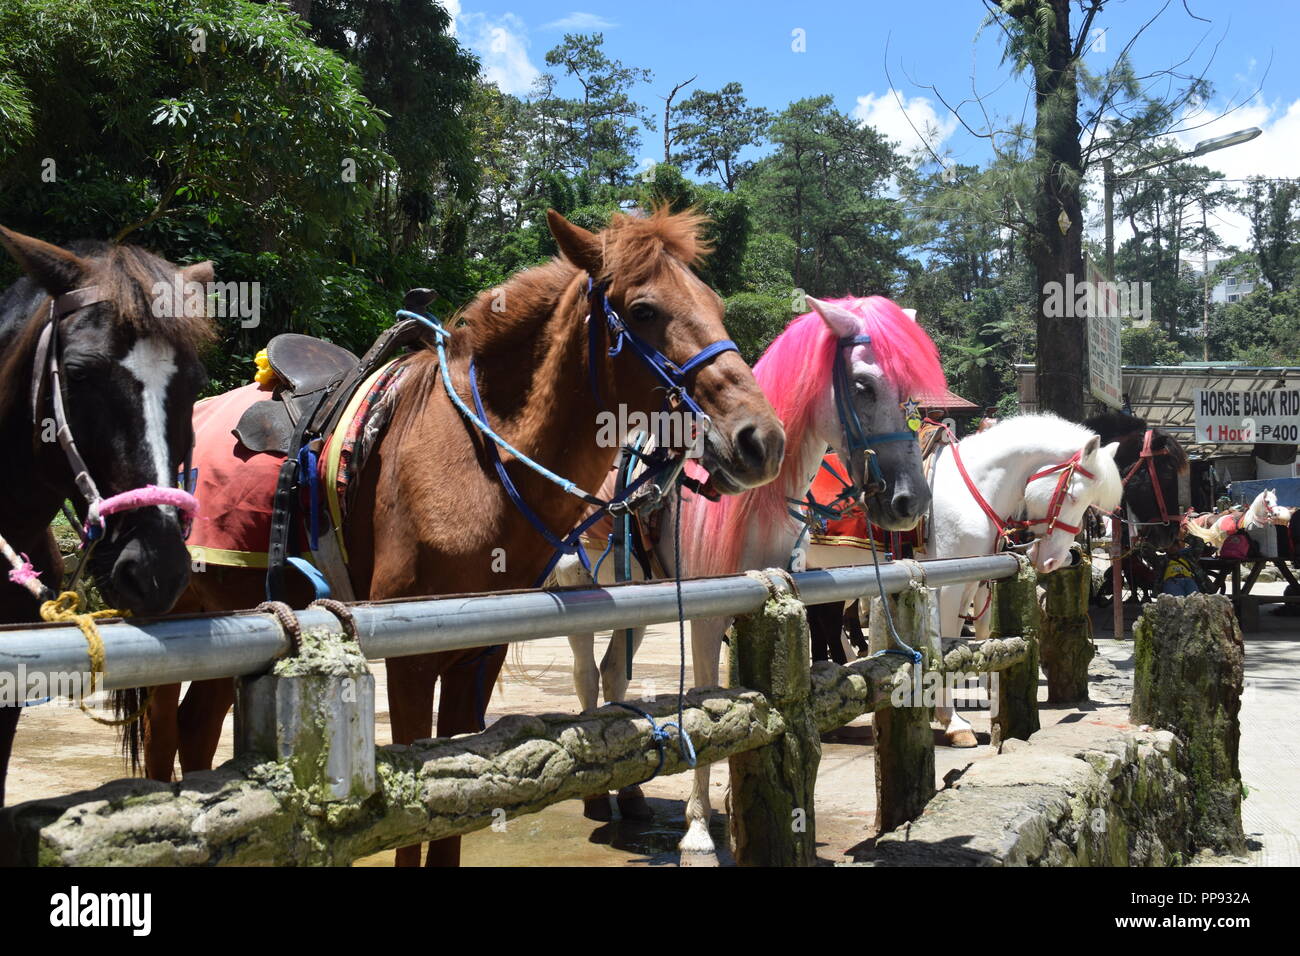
1209	535
129	706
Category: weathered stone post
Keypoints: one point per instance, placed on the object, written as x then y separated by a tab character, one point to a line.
315	714
1189	665
772	815
1015	614
1065	636
904	741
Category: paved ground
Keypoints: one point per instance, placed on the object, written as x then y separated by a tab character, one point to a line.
59	750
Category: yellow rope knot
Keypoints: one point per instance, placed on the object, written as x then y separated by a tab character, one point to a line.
65	609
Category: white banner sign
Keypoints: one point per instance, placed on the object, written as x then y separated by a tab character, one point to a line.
1105	372
1269	417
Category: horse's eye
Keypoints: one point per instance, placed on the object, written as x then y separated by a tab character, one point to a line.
641	312
865	390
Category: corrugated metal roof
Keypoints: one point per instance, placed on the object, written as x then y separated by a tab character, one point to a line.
1162	394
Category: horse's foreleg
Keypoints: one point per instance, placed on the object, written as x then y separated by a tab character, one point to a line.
199	721
613	673
697	845
160	732
8	729
411	683
954	601
462	709
586	683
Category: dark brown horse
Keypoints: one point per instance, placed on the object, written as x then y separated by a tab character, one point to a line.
129	372
429	514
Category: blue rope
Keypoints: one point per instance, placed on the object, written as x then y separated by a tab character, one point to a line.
659	735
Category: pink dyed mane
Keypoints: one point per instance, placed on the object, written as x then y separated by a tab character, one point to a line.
794	373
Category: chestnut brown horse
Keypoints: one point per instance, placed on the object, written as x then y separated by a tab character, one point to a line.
429	515
84	327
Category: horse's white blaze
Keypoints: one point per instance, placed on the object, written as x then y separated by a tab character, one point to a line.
153	363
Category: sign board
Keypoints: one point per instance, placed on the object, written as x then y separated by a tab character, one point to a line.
1268	417
1105	377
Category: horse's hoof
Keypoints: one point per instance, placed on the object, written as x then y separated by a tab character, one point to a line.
597	808
634	808
961	738
697	858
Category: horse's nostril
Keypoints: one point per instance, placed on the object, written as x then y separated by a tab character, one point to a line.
749	443
904	505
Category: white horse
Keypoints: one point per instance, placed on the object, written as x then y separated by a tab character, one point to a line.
1214	529
1044	467
754	530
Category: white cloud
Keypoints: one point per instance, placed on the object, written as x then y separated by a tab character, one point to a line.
453	8
890	114
1271	154
579	21
502	45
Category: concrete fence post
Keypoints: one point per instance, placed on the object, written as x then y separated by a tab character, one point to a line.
772	816
315	714
1188	675
1065	637
904	741
1015	614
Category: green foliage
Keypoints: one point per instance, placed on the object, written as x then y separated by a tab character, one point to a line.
1150	345
755	319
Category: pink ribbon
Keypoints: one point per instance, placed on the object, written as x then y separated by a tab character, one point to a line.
24	574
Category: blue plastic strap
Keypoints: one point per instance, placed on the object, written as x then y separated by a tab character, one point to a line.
313	575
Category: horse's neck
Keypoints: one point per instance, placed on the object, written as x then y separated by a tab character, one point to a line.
1001	471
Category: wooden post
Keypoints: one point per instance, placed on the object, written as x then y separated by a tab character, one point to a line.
1189	666
1065	637
904	741
315	714
1014	691
772	815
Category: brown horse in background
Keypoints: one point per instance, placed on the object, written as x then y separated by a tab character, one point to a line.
429	514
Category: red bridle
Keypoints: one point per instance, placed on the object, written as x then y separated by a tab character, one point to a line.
1149	456
1052	519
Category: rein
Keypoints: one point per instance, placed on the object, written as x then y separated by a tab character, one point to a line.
1148	457
47	363
664	469
1007	527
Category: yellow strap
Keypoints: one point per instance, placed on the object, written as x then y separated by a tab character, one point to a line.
67	608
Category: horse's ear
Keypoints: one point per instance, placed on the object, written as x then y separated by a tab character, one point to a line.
57	270
1090	448
841	321
1112	449
200	272
579	246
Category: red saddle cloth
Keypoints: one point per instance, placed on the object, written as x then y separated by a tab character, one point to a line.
235	486
854	530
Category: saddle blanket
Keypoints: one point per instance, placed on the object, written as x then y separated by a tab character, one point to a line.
235	486
854	530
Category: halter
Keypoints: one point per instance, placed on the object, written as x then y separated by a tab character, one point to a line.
1148	456
1006	527
48	362
856	437
664	469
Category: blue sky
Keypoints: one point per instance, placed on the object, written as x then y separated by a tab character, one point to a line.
852	50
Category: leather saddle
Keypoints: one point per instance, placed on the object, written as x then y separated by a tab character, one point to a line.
307	368
317	381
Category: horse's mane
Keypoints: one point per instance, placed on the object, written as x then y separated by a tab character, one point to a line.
1130	431
126	275
795	375
1067	437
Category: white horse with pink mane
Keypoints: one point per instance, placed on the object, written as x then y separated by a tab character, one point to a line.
886	359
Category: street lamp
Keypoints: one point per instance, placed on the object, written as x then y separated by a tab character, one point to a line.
1109	179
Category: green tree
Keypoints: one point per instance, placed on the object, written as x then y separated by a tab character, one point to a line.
713	127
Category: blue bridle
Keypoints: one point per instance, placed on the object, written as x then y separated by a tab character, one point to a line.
663	466
856	438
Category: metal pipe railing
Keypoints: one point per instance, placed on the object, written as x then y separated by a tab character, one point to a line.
171	650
